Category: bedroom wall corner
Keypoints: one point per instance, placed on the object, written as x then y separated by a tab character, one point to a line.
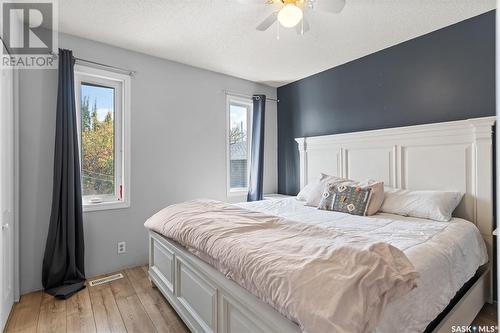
442	76
169	164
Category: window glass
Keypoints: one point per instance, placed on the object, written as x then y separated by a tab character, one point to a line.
238	146
98	139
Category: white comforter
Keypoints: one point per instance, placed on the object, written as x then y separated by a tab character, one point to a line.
445	254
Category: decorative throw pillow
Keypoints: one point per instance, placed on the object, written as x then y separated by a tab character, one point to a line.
377	196
346	198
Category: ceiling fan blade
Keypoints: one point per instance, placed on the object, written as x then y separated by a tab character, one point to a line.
268	21
258	2
303	26
332	6
252	2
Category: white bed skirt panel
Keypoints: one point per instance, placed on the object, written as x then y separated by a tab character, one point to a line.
206	300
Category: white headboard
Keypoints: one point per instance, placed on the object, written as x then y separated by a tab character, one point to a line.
454	156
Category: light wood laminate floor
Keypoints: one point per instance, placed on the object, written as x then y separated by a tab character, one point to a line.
130	304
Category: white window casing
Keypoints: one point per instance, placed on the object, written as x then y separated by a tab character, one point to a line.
121	84
248	105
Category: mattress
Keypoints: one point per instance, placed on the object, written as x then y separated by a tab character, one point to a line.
445	254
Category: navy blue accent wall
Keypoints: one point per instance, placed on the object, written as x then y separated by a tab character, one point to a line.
446	75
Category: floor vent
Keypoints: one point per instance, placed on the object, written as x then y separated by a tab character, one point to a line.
106	279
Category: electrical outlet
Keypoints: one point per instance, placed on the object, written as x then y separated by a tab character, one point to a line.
122	247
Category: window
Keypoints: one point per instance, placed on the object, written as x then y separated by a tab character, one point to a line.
102	103
239	143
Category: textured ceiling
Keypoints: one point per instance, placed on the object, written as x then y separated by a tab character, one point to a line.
220	35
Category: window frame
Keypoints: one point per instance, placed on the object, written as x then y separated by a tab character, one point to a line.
247	103
121	83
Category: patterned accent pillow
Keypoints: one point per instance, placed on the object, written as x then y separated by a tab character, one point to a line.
377	195
346	198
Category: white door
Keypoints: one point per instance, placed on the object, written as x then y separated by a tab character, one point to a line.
6	194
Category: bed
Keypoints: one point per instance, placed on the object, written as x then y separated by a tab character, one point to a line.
446	255
451	257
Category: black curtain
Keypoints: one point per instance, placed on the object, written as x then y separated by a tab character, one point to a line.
63	271
255	188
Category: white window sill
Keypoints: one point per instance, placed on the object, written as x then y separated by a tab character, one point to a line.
237	192
92	207
275	196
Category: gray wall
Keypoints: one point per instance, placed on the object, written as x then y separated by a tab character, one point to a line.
178	153
446	75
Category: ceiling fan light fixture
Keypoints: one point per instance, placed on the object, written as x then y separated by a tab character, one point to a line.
290	15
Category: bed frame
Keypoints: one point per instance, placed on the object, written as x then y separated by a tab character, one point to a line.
442	156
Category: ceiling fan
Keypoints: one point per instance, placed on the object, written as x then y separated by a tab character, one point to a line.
289	13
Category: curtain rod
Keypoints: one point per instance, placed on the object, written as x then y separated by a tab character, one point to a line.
128	71
228	92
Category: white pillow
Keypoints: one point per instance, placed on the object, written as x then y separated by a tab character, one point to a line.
434	205
312	192
306	192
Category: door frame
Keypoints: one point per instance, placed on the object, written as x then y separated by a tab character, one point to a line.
16	97
15	219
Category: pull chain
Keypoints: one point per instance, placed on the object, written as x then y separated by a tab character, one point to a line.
278	30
